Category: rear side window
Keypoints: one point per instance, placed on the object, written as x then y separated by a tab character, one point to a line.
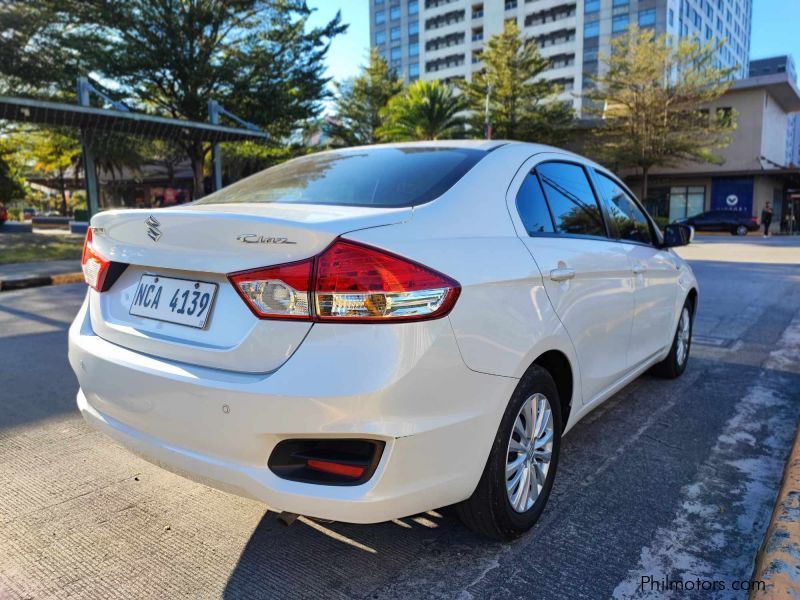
571	199
381	177
626	219
532	207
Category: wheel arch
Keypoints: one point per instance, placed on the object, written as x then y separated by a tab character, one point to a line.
560	369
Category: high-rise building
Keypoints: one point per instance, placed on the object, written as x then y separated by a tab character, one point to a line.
442	39
782	64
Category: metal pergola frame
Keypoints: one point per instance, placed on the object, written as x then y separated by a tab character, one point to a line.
88	119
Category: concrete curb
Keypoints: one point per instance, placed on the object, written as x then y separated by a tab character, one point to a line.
19	283
778	560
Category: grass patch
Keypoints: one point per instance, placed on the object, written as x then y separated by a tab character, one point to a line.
31	247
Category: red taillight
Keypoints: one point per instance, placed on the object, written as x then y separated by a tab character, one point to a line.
348	282
335	468
280	292
94	266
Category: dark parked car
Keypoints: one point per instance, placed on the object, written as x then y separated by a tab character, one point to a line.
722	220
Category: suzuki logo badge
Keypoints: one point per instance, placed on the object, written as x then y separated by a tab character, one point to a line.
153	232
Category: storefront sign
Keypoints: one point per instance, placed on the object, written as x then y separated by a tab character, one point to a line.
733	194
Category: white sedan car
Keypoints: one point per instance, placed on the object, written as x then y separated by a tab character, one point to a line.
370	333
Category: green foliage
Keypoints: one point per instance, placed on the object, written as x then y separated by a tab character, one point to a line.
256	57
522	105
12	184
359	102
650	98
245	158
425	110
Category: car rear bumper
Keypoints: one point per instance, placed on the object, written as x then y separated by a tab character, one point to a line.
403	384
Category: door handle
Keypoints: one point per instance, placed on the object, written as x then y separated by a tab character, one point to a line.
562	274
639	269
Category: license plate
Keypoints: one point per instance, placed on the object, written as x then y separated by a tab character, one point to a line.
172	300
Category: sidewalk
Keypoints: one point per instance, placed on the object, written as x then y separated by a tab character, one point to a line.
33	274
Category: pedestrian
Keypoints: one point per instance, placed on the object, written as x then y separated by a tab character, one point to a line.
766	218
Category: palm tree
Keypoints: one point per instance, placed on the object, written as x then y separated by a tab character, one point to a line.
425	110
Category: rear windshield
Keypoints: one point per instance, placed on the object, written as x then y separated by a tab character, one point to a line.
383	177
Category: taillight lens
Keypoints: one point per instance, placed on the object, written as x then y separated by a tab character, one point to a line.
359	283
94	266
348	282
280	292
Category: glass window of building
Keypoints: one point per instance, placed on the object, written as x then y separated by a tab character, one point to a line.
380	37
394	13
413	28
395	55
591	30
395	34
380	17
686	201
413	70
590	54
647	18
619	23
671	17
413	7
413	49
591	6
621	3
378	2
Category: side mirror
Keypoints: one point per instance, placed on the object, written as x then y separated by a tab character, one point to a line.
677	234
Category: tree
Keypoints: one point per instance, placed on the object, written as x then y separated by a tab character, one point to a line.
256	57
522	105
650	97
426	110
12	184
359	102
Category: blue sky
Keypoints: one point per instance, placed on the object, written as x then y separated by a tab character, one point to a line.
776	30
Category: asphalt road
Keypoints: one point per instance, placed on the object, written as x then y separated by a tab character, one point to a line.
667	479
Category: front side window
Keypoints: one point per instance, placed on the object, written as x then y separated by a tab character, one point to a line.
378	177
571	199
532	207
626	219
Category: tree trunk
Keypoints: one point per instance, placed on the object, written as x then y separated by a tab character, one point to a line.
63	186
645	173
197	155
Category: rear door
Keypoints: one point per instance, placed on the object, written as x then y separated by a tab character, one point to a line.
655	270
587	276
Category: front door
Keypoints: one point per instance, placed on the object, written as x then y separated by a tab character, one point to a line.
655	270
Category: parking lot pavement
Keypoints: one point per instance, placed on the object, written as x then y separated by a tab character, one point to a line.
671	479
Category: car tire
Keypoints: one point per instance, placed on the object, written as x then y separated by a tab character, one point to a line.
489	511
674	365
740	230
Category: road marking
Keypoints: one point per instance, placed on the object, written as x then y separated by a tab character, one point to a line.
716	532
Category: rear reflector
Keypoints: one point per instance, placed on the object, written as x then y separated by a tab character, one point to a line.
348	282
335	468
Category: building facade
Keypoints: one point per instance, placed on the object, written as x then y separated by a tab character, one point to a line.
782	64
753	169
442	39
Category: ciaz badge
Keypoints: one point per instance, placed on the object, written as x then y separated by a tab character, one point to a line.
254	238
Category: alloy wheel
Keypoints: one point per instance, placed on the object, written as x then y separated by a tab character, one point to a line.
530	448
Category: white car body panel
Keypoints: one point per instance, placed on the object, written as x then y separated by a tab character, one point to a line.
213	403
